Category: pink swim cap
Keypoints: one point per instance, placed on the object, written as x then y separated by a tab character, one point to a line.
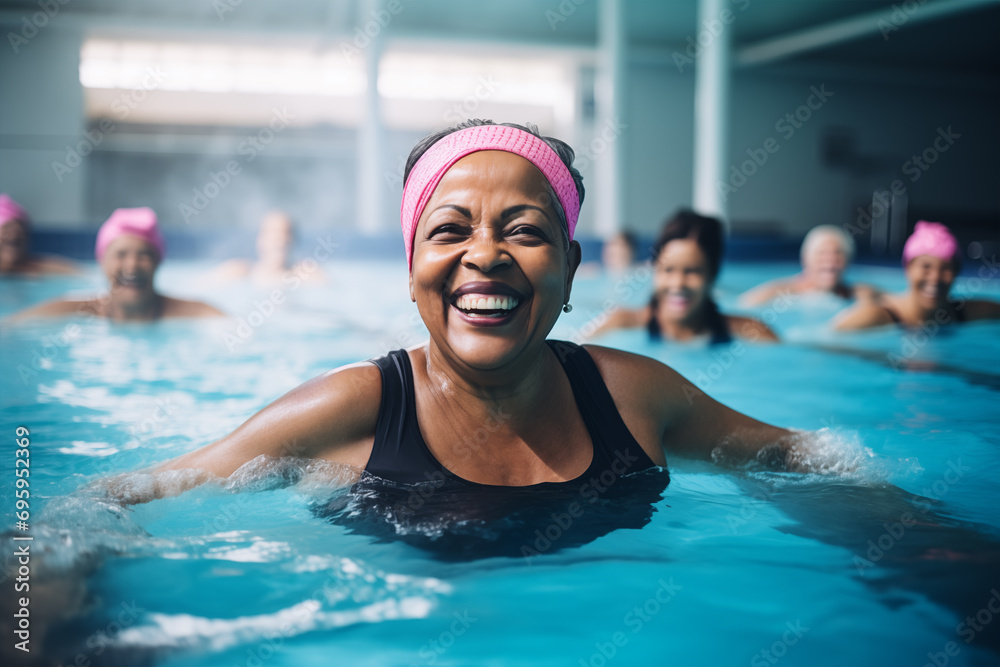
439	158
140	222
930	238
10	210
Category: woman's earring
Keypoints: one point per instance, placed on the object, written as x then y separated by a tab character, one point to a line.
567	307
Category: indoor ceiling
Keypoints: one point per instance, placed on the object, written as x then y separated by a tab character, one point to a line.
964	41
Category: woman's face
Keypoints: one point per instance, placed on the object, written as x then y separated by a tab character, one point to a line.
825	262
490	269
681	280
129	264
13	244
930	280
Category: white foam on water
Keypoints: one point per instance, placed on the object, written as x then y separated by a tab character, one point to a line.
830	453
183	631
372	595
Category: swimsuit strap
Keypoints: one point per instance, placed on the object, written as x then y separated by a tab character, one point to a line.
398	453
611	437
401	455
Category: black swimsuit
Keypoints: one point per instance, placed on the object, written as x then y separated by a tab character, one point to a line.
401	455
896	319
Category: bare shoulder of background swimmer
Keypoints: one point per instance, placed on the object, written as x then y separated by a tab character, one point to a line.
55	308
183	308
767	292
623	318
664	411
863	315
750	329
330	417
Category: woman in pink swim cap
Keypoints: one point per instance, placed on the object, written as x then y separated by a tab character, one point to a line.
488	216
932	260
129	249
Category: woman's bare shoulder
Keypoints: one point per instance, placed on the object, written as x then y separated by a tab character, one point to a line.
751	329
633	377
766	292
57	308
332	416
184	308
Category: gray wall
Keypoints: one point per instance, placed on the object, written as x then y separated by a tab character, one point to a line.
313	174
794	190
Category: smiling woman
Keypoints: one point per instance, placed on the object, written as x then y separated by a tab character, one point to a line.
129	249
488	217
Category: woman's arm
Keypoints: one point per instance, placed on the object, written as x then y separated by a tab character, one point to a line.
763	293
623	318
55	308
330	417
863	315
751	329
668	413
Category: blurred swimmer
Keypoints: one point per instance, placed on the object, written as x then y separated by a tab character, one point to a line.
129	250
688	258
274	244
826	252
617	257
15	242
618	253
931	259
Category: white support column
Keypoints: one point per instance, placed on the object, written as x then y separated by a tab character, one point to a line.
607	148
370	140
711	110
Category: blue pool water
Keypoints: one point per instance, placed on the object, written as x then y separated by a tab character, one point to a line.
876	562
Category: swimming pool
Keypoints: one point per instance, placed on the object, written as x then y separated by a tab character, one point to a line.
878	562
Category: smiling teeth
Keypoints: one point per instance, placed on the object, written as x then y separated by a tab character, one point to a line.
483	302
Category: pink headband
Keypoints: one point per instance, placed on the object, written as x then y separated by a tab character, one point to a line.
439	158
10	210
140	222
930	238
